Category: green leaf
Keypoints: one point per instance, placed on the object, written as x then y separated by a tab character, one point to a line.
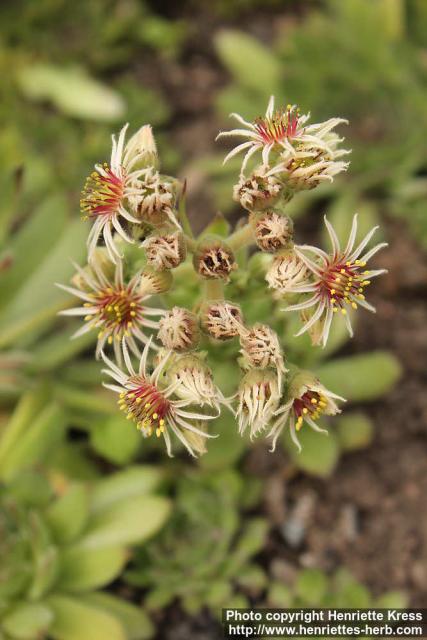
28	406
27	621
219	226
38	300
72	91
354	431
252	64
59	348
350	593
227	448
311	587
134	619
46	431
116	439
68	515
77	620
320	452
392	600
134	481
252	539
279	595
130	521
363	377
32	242
86	569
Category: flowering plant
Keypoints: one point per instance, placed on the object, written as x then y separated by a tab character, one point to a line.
141	245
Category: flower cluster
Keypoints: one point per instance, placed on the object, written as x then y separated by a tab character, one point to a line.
157	352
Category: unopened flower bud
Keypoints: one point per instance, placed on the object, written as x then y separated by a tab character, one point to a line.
258	397
261	348
272	230
220	319
213	259
261	191
192	380
100	262
154	198
141	150
165	250
288	273
179	330
152	281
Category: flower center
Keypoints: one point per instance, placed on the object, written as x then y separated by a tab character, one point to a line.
118	310
311	405
146	406
344	283
102	193
283	124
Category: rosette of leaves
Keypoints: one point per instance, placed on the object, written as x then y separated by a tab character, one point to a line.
58	549
204	555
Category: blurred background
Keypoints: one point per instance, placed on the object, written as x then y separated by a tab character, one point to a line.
99	530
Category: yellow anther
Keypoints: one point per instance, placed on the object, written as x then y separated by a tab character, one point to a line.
87	318
305	410
342	271
110	339
147	405
155	416
354	305
314	401
133	314
133	304
344	312
361	297
332	291
138	400
335	309
161	422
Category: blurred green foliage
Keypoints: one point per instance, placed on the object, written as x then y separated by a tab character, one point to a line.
364	61
204	555
63	541
64	89
313	588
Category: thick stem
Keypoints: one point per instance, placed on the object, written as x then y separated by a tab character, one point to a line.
190	243
182	212
241	238
214	290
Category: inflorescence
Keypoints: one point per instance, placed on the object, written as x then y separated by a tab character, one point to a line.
154	355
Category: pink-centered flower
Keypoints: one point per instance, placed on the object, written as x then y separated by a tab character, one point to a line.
149	400
306	400
115	308
338	280
106	194
279	130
